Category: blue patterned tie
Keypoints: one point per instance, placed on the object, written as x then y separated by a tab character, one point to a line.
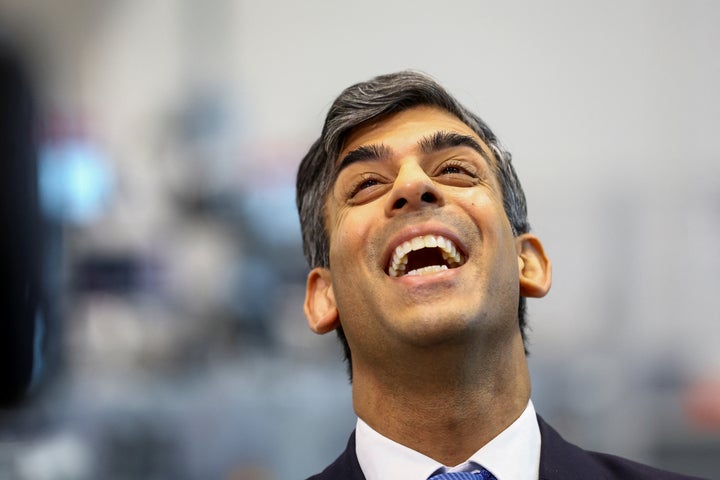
481	475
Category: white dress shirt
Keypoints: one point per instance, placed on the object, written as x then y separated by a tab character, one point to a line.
512	455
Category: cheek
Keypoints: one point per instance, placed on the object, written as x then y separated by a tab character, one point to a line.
490	219
471	199
349	234
485	210
353	225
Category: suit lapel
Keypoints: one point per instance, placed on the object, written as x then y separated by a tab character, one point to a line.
346	467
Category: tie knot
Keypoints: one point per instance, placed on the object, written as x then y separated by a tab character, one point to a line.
480	475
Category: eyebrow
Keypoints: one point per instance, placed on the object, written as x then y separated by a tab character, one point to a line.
443	140
436	142
364	154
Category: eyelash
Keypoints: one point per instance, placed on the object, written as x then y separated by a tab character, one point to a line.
462	168
362	184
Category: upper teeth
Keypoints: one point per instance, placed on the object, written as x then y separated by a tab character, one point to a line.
399	260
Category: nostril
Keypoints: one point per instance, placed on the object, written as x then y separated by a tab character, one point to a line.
428	197
399	203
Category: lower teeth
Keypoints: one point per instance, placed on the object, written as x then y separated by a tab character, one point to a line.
427	270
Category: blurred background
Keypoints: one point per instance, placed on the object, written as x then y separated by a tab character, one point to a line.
153	325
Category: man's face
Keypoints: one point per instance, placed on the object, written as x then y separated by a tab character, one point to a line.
421	250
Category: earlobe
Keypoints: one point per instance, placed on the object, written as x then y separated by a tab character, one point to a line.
320	307
534	267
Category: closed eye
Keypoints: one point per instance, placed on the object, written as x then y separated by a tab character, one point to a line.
452	169
363	185
457	168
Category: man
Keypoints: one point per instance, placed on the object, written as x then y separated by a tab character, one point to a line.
415	226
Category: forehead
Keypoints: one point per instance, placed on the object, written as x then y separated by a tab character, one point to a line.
401	131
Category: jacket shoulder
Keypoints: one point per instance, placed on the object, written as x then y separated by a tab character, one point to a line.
623	468
561	460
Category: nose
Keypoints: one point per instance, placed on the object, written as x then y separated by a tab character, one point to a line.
413	190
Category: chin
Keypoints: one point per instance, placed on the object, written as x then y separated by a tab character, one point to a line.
434	326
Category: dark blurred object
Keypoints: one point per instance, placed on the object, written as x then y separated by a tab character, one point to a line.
20	238
123	273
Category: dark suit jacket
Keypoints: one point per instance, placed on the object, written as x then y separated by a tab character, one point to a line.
559	460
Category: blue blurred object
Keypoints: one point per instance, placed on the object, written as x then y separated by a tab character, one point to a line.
75	181
279	228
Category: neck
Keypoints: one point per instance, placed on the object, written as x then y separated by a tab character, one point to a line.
441	407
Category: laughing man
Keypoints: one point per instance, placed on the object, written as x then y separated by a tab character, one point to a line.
415	226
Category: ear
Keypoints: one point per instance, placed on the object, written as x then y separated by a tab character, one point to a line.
320	307
533	266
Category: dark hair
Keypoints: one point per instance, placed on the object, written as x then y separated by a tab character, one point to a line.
372	100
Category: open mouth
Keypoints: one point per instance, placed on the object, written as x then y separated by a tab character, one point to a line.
424	255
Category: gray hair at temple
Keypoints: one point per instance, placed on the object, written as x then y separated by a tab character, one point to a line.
372	100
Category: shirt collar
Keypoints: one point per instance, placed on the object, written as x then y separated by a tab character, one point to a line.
512	454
